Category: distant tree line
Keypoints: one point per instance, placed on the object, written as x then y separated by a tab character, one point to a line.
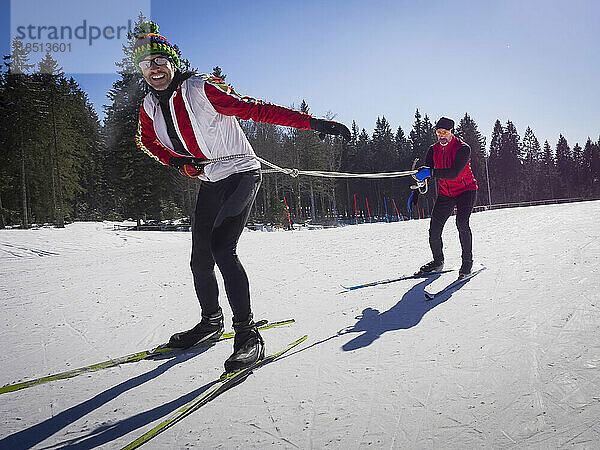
60	164
50	145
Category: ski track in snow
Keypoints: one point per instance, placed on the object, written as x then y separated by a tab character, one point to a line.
509	360
23	252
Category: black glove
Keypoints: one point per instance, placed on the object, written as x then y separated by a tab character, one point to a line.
324	127
177	162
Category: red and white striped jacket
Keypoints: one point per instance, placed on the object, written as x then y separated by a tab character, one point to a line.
204	111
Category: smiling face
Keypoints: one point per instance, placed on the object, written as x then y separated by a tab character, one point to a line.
158	76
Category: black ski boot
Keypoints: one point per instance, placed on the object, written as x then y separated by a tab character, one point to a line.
465	269
432	266
248	346
210	328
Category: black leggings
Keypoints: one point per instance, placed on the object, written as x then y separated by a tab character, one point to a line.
442	210
222	210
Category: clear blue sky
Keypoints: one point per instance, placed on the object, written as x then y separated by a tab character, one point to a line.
536	63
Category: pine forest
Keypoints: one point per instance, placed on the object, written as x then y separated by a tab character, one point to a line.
61	164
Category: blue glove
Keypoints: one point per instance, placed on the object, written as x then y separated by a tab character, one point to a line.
424	172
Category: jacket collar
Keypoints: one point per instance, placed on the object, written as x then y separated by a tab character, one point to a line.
166	94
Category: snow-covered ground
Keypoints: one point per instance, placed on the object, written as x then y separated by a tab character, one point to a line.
511	360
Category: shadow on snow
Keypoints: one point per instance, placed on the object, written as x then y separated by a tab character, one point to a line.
405	314
37	433
372	323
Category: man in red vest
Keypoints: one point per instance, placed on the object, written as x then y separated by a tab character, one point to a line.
449	160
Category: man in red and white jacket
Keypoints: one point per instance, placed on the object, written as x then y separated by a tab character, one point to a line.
449	160
186	118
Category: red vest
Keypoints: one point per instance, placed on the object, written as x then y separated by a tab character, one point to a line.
443	157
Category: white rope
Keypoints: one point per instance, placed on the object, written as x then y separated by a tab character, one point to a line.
314	173
328	174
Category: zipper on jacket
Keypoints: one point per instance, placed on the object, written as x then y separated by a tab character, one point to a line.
446	164
175	119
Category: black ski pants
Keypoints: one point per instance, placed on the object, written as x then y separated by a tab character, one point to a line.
222	209
442	210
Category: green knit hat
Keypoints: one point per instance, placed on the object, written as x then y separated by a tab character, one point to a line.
149	42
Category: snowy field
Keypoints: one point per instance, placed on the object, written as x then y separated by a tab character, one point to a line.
510	360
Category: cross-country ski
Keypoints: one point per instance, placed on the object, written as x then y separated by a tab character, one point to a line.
454	285
226	381
161	350
393	280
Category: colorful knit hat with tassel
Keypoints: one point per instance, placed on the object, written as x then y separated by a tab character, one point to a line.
149	42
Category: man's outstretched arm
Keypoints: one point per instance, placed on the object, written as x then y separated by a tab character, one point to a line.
228	102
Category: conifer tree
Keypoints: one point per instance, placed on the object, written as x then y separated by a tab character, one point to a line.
385	158
510	163
548	188
532	166
348	164
7	169
266	142
384	150
52	89
468	132
429	137
52	144
497	187
564	167
403	150
417	137
578	175
405	160
217	72
19	102
88	197
595	170
364	165
587	179
309	153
